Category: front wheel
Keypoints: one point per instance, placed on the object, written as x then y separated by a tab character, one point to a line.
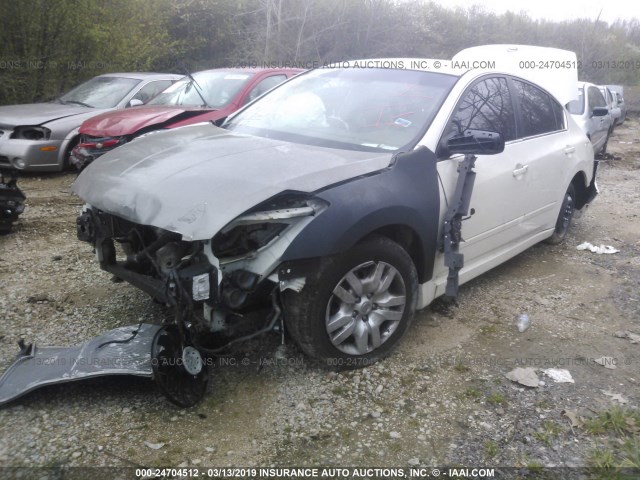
603	150
564	218
355	306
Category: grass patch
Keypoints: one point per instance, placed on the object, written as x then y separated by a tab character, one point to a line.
461	368
543	404
548	432
491	449
472	393
339	390
617	420
630	453
621	426
602	458
534	466
496	398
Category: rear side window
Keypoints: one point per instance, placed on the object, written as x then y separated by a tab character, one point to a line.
539	112
486	106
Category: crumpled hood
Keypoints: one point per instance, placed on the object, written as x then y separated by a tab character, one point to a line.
38	113
194	180
131	120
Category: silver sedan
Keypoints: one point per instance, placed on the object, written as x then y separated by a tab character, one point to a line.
39	136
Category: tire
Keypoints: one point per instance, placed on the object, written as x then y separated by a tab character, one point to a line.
564	217
66	161
339	320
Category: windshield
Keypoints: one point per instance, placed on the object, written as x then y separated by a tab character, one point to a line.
100	92
352	108
576	107
218	88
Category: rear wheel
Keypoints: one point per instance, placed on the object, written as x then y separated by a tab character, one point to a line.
355	306
564	218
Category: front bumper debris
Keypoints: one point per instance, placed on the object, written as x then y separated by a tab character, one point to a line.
118	352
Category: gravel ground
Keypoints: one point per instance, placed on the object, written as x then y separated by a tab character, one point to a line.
440	399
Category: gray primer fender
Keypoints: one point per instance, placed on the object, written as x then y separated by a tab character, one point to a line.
406	193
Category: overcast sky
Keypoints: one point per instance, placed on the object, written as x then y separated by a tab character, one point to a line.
557	10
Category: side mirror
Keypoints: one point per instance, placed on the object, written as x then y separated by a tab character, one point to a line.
476	142
599	111
134	102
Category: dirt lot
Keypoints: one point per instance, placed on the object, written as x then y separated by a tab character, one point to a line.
441	399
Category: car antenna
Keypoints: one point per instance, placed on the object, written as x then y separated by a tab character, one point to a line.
197	86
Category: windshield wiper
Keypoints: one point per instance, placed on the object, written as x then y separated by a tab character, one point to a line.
193	81
66	102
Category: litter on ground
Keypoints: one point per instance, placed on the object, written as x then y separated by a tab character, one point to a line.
599	250
559	375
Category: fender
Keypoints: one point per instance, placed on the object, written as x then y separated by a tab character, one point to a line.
407	193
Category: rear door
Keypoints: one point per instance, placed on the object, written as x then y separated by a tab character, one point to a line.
545	155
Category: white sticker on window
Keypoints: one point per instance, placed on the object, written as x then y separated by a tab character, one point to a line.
201	287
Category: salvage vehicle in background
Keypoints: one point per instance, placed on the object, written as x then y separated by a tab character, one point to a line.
612	105
591	113
618	92
210	95
40	136
342	201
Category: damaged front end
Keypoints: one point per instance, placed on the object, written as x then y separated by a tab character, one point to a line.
213	285
11	203
90	148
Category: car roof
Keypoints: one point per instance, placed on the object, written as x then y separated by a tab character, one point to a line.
143	75
252	69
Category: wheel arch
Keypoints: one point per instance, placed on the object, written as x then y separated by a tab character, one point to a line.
581	187
401	203
409	240
67	145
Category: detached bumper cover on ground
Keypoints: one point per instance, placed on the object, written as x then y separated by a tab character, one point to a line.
117	352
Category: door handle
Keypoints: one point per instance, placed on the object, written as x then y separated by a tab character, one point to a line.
520	170
569	150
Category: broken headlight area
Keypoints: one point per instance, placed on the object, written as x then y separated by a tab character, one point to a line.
260	226
91	148
11	203
29	132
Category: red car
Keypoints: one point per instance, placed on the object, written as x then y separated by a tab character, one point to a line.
210	95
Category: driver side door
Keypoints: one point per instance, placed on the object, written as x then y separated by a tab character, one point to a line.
498	200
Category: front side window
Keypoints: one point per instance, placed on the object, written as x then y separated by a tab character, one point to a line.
596	99
100	92
538	111
368	109
486	106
